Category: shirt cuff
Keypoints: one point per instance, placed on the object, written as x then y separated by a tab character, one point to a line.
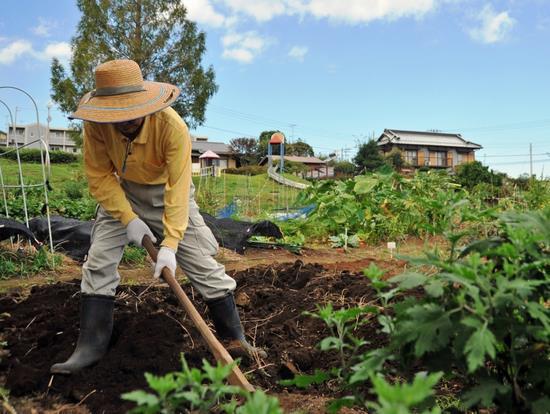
171	242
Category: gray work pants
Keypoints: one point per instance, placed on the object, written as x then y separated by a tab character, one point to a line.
195	253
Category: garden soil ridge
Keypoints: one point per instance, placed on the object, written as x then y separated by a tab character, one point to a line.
151	331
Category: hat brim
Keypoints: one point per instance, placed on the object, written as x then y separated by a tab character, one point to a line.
125	107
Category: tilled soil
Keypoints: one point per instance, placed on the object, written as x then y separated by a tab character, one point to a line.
151	331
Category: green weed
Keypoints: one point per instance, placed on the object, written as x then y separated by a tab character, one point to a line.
22	263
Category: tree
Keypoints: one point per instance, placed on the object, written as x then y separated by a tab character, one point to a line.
473	173
245	150
299	148
344	168
368	156
155	34
395	159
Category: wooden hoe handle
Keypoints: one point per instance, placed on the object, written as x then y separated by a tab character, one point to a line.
236	377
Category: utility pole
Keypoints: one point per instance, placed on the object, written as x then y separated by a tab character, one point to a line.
292	131
530	160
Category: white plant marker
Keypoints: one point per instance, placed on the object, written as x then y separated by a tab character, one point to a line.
391	247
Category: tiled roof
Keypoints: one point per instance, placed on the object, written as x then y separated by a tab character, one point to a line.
203	146
434	139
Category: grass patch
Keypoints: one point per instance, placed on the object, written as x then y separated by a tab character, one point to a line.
254	195
22	263
134	256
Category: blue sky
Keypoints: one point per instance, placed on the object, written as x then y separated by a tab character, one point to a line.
334	72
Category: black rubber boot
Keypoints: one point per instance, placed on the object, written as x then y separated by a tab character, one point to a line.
227	322
96	326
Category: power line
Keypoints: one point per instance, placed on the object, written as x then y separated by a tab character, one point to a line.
512	125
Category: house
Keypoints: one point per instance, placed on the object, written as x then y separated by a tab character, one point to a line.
317	168
56	138
199	145
429	149
3	138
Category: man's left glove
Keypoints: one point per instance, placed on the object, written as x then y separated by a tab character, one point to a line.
136	229
165	258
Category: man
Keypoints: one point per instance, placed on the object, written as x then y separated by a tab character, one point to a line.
137	158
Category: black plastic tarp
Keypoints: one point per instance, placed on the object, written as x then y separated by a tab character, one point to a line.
73	236
10	228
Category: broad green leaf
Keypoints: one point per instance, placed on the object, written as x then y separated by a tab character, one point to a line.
484	393
373	361
364	185
405	395
482	342
304	381
434	288
330	343
260	403
428	326
141	398
161	384
409	280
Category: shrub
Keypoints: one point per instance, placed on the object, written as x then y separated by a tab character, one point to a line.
293	167
34	155
470	174
247	170
344	168
75	189
484	317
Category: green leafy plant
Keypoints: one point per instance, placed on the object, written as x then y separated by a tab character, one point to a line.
198	390
22	263
485	316
344	240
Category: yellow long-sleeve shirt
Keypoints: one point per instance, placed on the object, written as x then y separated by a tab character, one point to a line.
161	154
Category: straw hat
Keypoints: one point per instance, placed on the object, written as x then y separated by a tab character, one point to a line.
121	94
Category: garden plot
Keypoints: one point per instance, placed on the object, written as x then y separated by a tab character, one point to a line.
151	331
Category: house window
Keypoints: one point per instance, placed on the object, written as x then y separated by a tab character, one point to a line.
438	159
411	157
462	158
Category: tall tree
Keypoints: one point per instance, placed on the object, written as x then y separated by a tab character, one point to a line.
368	157
154	33
245	150
299	148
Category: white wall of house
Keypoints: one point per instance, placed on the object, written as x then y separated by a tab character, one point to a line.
29	135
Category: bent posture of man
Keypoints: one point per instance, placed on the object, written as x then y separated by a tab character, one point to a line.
137	158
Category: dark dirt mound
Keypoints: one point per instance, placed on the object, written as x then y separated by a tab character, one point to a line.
151	331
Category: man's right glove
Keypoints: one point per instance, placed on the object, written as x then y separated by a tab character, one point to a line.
136	229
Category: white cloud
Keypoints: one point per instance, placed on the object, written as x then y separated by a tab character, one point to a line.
60	50
202	11
20	48
494	27
298	52
261	10
361	11
44	27
243	47
14	50
350	11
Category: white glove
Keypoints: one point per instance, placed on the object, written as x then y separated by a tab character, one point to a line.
136	229
165	258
